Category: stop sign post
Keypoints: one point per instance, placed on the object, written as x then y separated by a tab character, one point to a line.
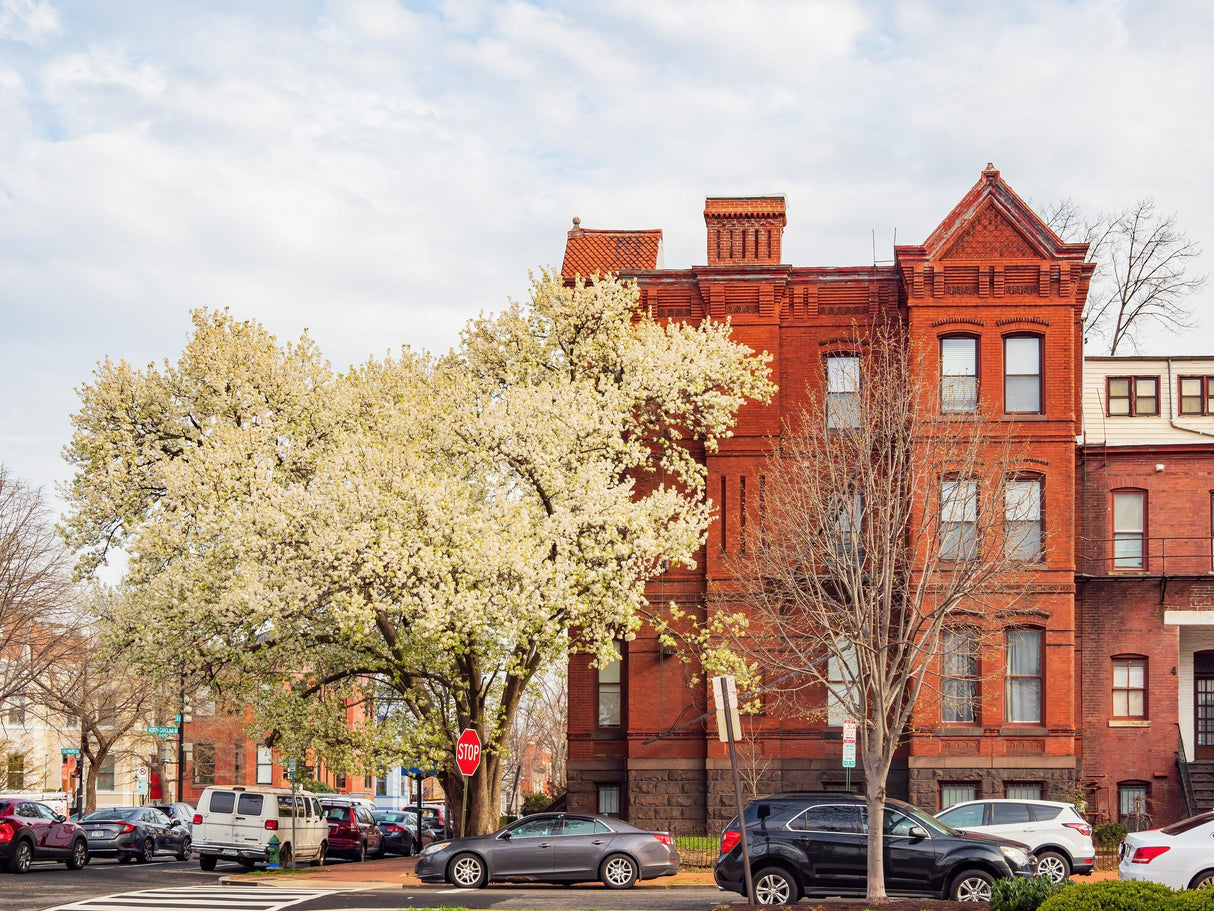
468	752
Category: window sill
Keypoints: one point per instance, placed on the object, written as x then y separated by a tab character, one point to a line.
1023	728
958	729
1023	416
1129	723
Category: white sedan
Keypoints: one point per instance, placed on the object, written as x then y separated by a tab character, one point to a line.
1180	856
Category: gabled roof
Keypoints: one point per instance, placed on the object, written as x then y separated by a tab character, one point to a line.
589	251
992	222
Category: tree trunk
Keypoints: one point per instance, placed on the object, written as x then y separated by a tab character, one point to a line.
874	776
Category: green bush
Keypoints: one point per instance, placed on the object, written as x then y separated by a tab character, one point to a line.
1108	835
1117	896
1023	893
1197	900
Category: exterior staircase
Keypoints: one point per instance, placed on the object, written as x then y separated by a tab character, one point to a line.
1202	776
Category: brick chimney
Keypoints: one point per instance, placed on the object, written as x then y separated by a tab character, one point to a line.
744	230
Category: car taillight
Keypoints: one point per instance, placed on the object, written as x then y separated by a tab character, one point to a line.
1081	827
272	825
197	819
1148	853
6	833
392	827
127	827
729	841
664	838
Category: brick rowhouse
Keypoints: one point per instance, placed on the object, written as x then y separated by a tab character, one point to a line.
992	271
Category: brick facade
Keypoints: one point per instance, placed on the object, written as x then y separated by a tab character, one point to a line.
991	270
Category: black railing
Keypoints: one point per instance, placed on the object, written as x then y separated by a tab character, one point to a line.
1148	556
1186	782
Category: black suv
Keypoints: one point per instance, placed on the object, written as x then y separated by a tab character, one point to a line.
816	843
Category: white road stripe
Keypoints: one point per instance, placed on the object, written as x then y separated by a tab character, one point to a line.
259	898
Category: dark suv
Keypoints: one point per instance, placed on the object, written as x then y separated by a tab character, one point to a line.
816	843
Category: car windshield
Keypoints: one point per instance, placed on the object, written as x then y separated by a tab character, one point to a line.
1185	825
112	813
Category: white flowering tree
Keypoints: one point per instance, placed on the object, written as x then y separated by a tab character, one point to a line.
378	559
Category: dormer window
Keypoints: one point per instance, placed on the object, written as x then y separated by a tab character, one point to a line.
1133	396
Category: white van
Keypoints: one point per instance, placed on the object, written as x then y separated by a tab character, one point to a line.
236	823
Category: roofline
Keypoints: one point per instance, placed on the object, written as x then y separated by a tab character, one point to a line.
1114	358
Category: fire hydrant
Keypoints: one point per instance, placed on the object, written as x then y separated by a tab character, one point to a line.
272	850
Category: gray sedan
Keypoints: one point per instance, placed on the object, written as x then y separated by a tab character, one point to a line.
553	847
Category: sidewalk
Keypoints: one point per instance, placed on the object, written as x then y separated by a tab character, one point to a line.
397	873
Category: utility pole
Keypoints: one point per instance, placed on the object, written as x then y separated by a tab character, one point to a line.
181	720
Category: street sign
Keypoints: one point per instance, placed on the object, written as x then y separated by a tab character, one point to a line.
725	695
163	730
849	731
468	752
849	755
69	751
141	773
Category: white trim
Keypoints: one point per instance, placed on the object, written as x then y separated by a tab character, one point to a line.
1188	618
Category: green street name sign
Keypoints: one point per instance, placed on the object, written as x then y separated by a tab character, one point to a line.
163	730
69	751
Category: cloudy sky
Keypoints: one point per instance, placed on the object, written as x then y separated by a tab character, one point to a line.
376	172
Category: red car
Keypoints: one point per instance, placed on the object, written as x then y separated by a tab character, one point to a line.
352	831
32	831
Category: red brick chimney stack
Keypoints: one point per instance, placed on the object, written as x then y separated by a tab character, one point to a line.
744	230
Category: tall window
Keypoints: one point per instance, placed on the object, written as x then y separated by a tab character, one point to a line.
843	391
106	774
238	761
1129	528
1022	538
1132	806
14	772
1022	374
609	800
958	374
842	694
959	667
1129	687
1133	395
847	530
958	519
204	763
1024	676
1196	394
265	765
15	713
609	692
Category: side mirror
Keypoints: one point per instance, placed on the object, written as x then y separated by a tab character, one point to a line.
174	823
917	832
507	836
59	817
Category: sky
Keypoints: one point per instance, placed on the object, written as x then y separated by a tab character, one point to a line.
377	172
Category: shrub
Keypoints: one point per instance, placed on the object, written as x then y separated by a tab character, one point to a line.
1116	896
1108	835
1023	893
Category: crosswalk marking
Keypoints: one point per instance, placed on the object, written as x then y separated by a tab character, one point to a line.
202	898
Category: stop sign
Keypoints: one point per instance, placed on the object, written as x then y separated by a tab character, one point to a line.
468	752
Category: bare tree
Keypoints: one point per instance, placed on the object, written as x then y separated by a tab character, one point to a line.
884	529
538	736
35	586
1142	274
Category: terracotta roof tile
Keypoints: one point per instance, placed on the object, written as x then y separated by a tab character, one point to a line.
589	251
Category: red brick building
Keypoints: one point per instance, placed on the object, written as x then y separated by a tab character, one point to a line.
994	299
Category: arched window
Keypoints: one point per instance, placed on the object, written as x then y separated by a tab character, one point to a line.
1022	374
958	374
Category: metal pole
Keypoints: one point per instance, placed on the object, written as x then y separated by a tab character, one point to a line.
181	742
419	810
294	814
737	794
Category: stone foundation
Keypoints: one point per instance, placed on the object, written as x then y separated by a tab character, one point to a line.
1057	783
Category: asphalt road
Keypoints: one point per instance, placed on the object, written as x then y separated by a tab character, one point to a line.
537	898
49	884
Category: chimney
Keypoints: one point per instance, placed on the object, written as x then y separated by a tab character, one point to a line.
744	230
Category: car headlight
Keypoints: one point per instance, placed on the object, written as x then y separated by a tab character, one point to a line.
1015	856
433	848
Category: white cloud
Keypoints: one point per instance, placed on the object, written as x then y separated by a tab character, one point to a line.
27	21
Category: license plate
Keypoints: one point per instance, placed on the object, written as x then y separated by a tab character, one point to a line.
98	832
230	852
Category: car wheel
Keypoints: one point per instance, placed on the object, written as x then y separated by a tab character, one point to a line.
207	862
468	872
619	872
321	855
383	848
79	856
22	857
148	852
125	858
1202	880
184	852
972	886
1053	866
774	886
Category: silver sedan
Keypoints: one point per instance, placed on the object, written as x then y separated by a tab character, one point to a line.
553	847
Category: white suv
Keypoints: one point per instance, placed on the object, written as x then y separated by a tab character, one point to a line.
236	823
1055	832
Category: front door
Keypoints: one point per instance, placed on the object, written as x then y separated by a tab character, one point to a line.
1203	704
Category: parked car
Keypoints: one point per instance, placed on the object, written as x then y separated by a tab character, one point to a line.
31	831
1178	856
553	847
236	823
135	833
352	831
400	831
180	811
1057	835
433	814
816	843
